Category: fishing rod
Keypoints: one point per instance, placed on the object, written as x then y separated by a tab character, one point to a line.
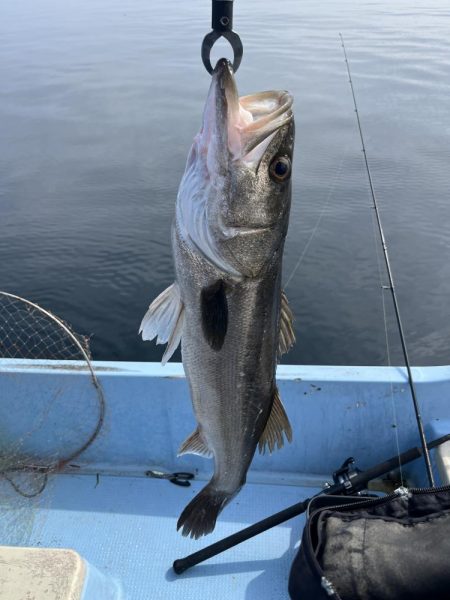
423	441
348	480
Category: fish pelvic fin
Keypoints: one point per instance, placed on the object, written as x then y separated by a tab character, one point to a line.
287	335
277	425
200	515
195	444
164	320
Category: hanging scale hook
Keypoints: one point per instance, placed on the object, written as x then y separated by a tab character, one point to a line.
222	26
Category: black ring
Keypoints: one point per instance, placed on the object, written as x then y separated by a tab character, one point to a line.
211	38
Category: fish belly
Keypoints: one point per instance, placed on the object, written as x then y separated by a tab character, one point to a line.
232	387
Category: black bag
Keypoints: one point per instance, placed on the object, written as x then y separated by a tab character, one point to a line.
396	547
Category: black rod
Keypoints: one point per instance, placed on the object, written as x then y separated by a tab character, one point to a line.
358	482
423	441
182	564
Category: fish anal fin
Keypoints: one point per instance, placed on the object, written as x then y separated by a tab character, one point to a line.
194	444
277	425
164	320
287	335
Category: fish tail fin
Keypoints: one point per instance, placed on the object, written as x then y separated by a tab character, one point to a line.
200	515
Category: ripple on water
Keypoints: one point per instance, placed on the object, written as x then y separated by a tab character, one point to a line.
98	107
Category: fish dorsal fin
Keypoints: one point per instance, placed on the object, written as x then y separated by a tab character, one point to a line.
164	320
214	311
287	336
277	425
194	444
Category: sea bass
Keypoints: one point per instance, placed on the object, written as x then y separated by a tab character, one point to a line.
226	306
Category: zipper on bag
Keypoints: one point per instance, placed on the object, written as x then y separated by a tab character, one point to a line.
402	491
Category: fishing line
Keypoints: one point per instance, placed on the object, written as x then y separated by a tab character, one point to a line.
388	348
387	343
318	221
391	287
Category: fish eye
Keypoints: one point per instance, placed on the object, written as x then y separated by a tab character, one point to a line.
280	168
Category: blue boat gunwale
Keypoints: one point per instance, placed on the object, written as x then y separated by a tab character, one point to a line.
335	411
339	373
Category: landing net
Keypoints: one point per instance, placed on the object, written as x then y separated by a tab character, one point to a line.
47	423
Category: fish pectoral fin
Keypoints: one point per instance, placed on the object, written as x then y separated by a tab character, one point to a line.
287	335
164	320
195	444
277	425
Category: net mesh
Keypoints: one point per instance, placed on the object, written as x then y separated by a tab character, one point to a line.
46	422
27	331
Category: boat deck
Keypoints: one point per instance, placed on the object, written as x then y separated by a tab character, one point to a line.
126	527
123	523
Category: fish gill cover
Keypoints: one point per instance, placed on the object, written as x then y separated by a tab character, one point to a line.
41	431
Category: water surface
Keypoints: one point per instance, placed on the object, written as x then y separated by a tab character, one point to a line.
99	102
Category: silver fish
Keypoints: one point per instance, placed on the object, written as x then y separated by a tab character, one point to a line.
226	305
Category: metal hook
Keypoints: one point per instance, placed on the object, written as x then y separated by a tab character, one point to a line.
222	26
209	41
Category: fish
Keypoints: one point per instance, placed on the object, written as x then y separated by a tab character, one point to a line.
226	305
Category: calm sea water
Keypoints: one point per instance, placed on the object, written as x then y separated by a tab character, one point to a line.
99	102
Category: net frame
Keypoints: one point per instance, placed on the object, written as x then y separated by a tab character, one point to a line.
43	470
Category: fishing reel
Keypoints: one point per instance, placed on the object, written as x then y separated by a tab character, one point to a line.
344	477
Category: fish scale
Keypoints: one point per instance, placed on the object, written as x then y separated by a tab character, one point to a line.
226	305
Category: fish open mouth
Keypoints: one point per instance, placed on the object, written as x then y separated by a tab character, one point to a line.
250	120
